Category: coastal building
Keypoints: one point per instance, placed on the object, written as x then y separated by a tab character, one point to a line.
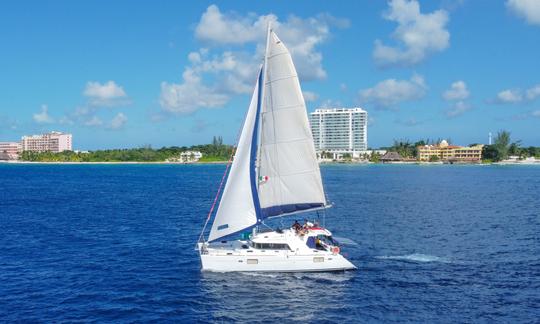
9	150
450	153
186	157
339	131
190	156
52	142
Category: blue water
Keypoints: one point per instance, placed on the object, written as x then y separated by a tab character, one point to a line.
115	243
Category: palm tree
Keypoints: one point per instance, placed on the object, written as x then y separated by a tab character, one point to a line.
502	142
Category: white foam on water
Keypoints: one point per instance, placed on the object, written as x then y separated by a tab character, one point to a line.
259	274
414	257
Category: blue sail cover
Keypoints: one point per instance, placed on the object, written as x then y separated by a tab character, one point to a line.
289	209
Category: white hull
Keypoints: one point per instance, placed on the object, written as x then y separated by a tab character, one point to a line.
235	256
266	263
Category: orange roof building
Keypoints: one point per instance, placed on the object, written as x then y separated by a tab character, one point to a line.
451	153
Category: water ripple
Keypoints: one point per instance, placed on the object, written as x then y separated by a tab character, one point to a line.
114	243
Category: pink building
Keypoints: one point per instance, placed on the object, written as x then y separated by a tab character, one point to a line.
52	142
9	150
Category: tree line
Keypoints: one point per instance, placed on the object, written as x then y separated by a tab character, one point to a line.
216	151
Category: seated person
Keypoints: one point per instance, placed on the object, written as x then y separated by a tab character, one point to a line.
296	226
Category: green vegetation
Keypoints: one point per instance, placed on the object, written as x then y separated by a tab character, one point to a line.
375	157
503	147
347	157
433	158
215	152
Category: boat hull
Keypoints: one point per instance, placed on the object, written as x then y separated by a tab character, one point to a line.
274	262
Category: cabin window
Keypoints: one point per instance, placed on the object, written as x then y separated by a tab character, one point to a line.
252	261
318	259
271	246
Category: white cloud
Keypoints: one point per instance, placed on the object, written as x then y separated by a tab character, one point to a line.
528	9
458	91
310	96
459	108
513	96
106	94
118	121
509	96
533	93
190	95
391	92
43	116
417	34
302	36
213	77
93	121
216	27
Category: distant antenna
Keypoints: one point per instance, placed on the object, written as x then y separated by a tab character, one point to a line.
489	138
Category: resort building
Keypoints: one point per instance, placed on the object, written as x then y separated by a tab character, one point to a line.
450	153
9	150
186	157
339	131
190	156
52	142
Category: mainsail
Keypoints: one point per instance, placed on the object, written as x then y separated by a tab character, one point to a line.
275	170
288	159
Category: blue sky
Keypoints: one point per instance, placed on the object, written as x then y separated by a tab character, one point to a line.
125	74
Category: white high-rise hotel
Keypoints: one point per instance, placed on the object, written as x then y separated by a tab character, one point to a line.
339	130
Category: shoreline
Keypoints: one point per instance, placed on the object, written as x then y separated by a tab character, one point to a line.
113	162
225	162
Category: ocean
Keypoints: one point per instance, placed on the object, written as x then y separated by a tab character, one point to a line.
115	243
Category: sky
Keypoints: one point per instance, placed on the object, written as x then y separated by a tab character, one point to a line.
122	74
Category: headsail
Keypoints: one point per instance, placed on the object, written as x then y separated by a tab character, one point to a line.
290	179
238	207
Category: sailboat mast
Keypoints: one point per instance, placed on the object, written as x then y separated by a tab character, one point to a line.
263	93
263	88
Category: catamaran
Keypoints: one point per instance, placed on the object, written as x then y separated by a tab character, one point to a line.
274	173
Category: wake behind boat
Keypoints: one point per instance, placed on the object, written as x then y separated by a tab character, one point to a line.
274	173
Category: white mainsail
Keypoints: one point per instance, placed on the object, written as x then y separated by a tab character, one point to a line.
275	170
287	158
237	210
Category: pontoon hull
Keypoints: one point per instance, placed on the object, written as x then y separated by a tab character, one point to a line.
275	263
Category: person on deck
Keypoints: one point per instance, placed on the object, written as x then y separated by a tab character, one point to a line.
296	226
